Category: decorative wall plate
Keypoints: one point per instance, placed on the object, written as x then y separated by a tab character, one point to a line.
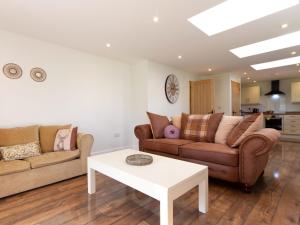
38	74
172	88
12	71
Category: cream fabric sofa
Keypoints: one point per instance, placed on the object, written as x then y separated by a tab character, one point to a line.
50	167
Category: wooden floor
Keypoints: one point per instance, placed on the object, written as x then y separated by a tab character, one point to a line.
275	200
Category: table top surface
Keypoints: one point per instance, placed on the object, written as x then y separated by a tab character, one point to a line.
163	171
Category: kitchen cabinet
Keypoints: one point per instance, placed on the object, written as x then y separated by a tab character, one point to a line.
291	124
250	95
295	92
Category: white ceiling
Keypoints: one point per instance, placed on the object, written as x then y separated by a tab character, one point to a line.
127	24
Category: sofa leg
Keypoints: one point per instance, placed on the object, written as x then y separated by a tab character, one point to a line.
247	188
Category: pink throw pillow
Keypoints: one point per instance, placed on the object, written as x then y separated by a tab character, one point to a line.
172	132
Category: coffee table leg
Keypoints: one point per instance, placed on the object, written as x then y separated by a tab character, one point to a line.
166	211
91	181
203	195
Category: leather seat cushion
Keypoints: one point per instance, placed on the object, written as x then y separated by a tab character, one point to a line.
14	166
51	158
210	152
170	146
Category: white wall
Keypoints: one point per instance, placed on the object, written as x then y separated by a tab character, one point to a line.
104	97
157	101
90	92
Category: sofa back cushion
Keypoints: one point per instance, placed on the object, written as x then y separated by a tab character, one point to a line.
47	136
213	125
158	124
226	125
18	135
247	126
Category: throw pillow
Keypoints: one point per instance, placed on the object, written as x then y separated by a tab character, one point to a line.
184	120
212	127
21	151
47	136
65	139
196	127
247	126
172	132
226	125
158	124
176	121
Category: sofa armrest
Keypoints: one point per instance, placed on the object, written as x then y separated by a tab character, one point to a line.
143	132
254	154
84	144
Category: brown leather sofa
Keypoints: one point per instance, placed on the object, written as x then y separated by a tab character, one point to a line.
244	164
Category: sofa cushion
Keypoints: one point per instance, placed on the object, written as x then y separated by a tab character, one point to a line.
47	136
158	124
22	151
165	145
18	135
51	158
14	166
226	125
210	152
244	128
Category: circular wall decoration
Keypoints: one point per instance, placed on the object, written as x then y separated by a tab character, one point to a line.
12	71
38	74
172	88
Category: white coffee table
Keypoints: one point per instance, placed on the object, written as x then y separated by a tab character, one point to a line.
165	179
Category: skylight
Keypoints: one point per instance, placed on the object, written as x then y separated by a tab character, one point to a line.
233	13
277	63
281	42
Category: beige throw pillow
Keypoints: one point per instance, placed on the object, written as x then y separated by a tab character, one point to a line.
65	139
20	151
176	121
226	125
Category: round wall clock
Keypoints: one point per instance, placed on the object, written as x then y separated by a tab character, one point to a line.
172	88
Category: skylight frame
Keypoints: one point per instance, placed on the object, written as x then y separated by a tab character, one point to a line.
269	45
277	63
233	13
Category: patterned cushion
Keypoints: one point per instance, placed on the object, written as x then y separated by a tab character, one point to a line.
65	139
226	125
20	151
197	127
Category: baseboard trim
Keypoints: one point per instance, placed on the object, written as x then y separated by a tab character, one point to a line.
114	149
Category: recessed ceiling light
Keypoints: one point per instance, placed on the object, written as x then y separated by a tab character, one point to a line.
233	13
248	78
209	69
293	53
298	71
277	63
155	19
108	45
297	64
254	81
245	73
285	25
179	57
280	42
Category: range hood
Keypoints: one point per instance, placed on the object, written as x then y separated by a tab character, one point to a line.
275	88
